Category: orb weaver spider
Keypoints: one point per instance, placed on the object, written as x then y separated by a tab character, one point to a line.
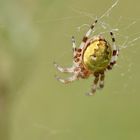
93	57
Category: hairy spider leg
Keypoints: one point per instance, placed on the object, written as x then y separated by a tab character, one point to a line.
101	82
114	52
68	80
94	86
70	69
74	48
73	43
88	33
64	70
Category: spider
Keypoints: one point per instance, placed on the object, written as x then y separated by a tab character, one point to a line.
94	57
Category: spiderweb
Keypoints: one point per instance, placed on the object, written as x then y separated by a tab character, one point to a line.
129	40
106	23
121	26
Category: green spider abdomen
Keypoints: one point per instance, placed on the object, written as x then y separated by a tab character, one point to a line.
97	55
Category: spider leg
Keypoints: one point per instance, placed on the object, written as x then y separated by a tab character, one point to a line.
101	83
74	47
95	83
114	53
64	70
73	43
68	80
88	33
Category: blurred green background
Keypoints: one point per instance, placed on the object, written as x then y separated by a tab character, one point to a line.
33	105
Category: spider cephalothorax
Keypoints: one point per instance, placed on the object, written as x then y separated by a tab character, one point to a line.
94	56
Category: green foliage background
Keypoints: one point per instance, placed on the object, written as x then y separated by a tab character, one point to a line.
33	105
